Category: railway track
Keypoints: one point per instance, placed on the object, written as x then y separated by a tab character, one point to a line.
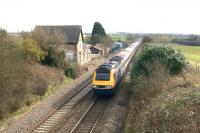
54	117
89	120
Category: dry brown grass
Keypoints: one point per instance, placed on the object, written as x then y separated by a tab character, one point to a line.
143	86
49	74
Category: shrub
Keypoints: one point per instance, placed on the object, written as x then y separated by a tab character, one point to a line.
171	58
17	82
40	86
31	51
69	72
152	85
54	58
72	71
165	103
147	39
3	34
177	113
13	78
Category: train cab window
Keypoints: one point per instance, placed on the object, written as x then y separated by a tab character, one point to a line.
103	73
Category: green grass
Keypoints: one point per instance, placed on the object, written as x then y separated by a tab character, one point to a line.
192	53
117	37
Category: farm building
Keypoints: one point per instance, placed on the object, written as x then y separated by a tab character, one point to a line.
71	39
95	51
98	50
103	49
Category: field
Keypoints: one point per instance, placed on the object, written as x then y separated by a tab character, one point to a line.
192	53
118	37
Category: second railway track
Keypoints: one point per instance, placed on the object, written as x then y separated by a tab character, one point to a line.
50	121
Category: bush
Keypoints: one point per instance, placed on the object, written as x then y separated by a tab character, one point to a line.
40	86
151	86
147	39
31	51
177	113
17	81
172	59
72	71
54	58
165	103
69	72
13	78
3	34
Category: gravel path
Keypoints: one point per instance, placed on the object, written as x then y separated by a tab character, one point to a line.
39	111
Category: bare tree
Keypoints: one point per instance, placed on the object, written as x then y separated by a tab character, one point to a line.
57	39
41	37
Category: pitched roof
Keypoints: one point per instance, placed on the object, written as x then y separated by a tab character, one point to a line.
71	32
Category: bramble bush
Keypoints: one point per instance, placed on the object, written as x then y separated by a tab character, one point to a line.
173	60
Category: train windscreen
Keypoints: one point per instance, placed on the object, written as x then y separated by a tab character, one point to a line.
103	73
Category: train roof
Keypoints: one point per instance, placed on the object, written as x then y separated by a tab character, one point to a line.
113	62
122	54
116	59
110	64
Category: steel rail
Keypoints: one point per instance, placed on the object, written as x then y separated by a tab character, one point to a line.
56	109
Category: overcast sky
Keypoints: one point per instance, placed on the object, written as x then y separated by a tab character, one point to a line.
146	16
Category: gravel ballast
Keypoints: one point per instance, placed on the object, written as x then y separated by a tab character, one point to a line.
114	117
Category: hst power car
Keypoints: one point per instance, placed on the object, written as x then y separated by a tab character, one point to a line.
108	75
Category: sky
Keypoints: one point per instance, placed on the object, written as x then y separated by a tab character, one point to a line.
136	16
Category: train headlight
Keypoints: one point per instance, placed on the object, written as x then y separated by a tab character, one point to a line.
94	86
109	86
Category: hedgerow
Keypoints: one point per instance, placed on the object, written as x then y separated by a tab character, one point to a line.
173	60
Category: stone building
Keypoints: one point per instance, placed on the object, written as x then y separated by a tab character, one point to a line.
71	37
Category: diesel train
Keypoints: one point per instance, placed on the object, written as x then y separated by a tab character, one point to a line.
107	76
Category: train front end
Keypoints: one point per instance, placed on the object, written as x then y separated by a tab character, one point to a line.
103	81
